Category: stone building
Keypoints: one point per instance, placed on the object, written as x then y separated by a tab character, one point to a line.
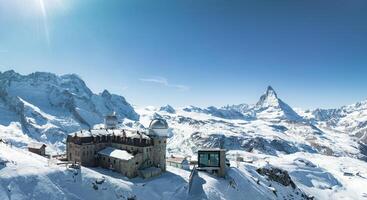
37	148
179	162
129	152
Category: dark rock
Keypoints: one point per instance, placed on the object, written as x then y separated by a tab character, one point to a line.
277	175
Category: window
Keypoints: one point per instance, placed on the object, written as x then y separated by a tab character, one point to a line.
209	159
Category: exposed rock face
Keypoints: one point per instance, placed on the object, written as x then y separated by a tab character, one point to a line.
225	112
363	149
271	147
167	108
277	175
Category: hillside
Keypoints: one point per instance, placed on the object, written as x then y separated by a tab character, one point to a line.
28	176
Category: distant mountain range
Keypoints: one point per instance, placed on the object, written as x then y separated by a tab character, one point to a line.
45	107
270	127
319	148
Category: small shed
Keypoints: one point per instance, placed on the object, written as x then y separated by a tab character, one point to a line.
37	148
178	162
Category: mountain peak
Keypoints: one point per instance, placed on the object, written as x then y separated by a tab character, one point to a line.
270	105
269	99
106	93
271	91
168	108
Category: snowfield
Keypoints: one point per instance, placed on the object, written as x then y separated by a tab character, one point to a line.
28	176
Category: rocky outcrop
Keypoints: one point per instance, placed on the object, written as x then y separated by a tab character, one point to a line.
277	175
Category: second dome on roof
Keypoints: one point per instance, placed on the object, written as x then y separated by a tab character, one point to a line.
158	124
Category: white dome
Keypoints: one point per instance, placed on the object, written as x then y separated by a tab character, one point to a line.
158	124
159	127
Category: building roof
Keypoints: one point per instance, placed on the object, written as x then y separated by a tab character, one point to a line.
102	132
214	149
158	124
116	153
35	145
176	159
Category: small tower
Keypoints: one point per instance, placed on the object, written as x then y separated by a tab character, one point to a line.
158	131
110	121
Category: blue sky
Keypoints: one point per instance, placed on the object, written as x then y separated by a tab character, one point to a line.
207	52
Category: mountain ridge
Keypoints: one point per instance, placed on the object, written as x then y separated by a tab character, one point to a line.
48	106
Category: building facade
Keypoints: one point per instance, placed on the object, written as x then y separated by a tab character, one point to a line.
129	152
212	160
179	162
37	148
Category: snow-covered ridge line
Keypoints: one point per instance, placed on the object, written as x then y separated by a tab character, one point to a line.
48	106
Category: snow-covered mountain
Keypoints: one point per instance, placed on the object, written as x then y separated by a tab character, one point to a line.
351	118
271	107
270	127
46	107
315	147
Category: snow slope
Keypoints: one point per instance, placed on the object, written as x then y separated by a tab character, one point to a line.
46	107
28	176
323	176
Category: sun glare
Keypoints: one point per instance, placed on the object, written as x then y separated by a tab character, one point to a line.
44	18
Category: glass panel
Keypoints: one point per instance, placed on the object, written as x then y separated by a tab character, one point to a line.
204	161
214	159
209	159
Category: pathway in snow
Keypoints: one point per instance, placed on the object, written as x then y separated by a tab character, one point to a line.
197	191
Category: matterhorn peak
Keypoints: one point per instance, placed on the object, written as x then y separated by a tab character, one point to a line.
269	99
271	92
270	105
